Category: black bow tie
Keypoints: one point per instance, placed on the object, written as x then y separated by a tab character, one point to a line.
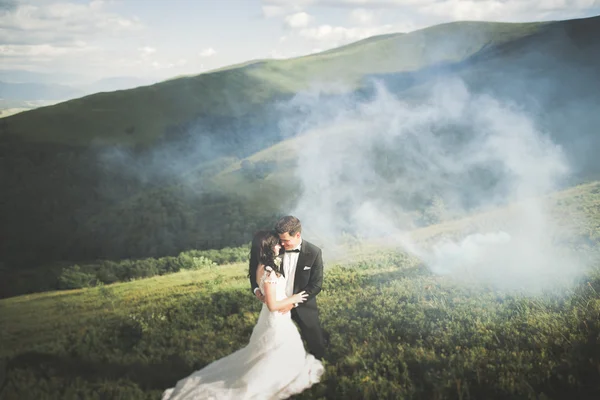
293	251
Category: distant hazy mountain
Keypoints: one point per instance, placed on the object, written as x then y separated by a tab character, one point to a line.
17	85
38	91
24	76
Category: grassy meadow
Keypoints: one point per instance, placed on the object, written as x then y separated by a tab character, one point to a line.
395	329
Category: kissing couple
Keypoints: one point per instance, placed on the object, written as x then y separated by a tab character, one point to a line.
274	364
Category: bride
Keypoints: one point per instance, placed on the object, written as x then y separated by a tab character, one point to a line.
274	364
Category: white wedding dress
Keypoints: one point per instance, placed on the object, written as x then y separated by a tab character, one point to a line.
274	364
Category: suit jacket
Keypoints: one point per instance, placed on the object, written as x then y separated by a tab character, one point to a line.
308	276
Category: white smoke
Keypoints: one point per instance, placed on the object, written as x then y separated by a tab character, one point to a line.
364	165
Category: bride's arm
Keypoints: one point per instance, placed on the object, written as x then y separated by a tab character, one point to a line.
275	305
270	293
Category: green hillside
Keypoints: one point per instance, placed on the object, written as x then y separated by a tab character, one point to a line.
143	114
198	162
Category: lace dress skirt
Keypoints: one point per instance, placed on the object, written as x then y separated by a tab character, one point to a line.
274	365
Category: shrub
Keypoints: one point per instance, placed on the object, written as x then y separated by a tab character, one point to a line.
74	278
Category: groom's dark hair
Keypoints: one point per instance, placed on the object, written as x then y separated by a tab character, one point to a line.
288	224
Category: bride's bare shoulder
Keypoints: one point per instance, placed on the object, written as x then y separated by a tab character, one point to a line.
260	270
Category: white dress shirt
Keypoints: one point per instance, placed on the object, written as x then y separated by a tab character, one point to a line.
290	261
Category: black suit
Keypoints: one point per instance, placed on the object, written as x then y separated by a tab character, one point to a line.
308	277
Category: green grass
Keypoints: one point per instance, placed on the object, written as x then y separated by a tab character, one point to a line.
395	329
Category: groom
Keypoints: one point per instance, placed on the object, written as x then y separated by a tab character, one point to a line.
303	268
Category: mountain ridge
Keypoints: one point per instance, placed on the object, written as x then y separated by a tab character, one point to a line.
271	80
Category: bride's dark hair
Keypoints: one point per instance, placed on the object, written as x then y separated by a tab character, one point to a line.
262	246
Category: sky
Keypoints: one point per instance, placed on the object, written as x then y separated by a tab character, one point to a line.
161	39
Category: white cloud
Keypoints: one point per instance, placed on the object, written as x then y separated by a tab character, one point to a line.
509	10
515	10
43	34
276	8
362	16
209	52
61	23
147	50
43	50
529	4
475	10
374	3
273	11
340	35
276	54
295	4
300	4
298	20
168	65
